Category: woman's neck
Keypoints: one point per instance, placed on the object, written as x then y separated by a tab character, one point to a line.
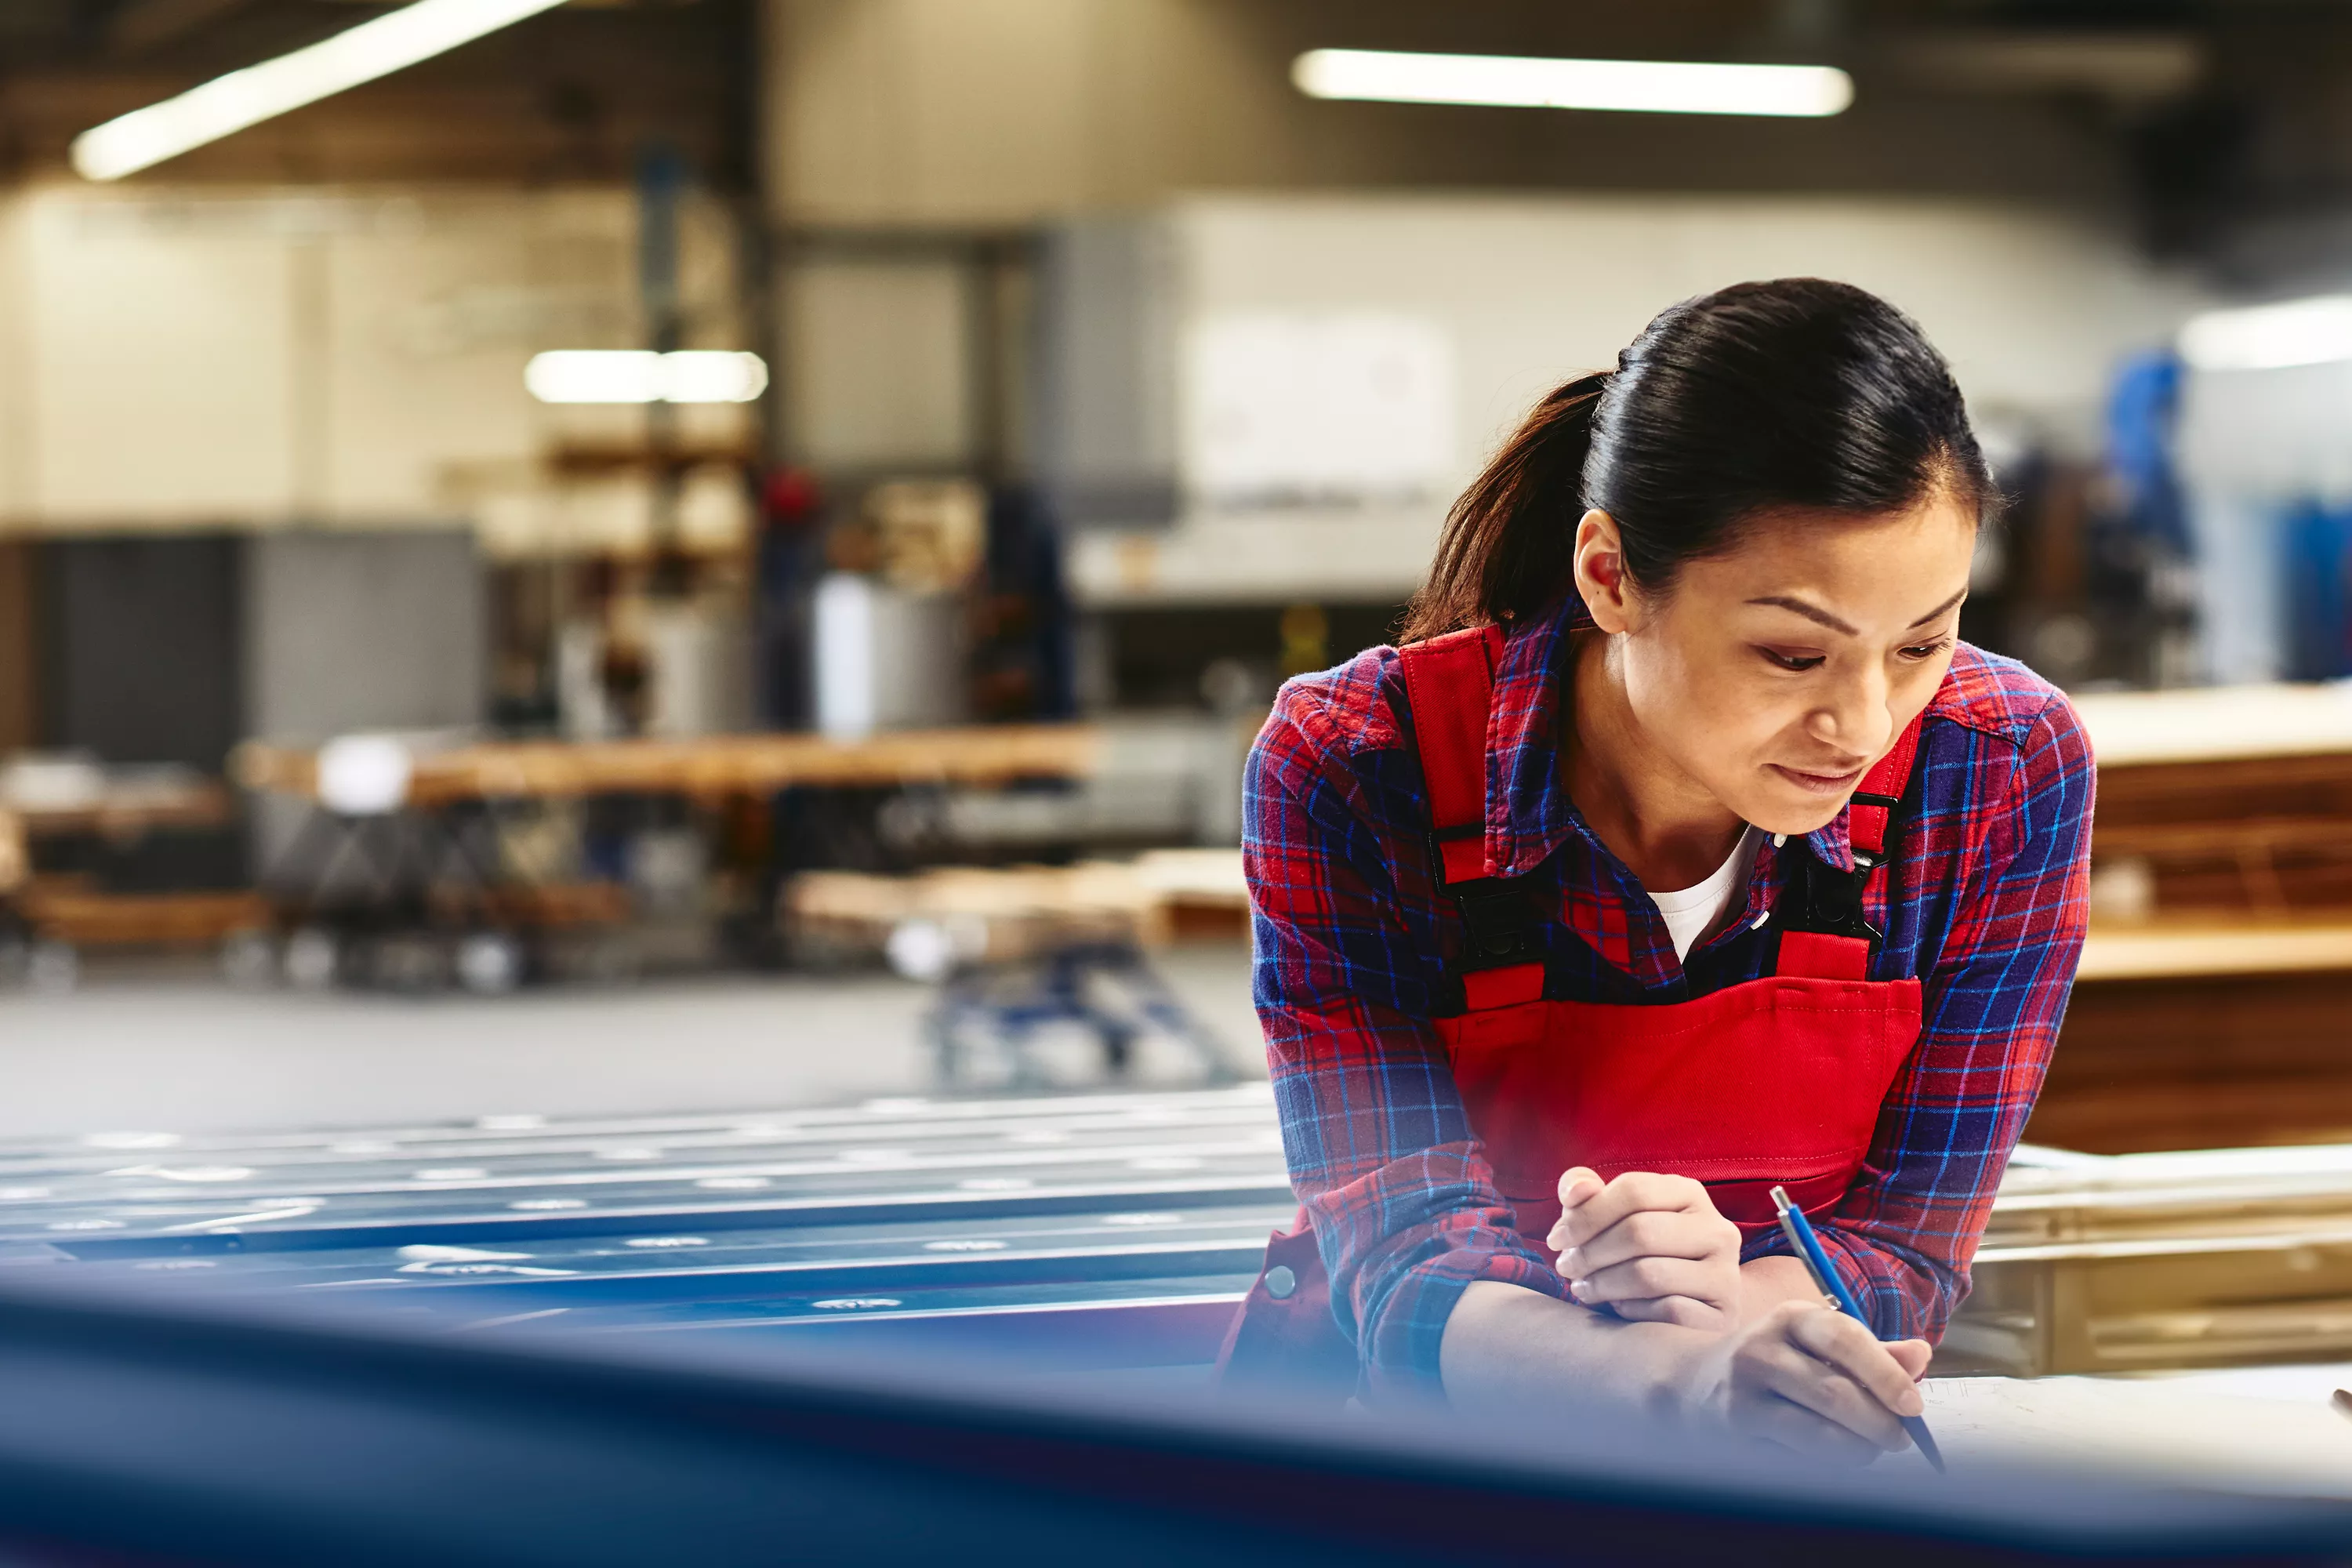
1652	815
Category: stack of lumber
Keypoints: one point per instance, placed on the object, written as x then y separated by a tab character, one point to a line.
2142	1261
2217	985
2226	802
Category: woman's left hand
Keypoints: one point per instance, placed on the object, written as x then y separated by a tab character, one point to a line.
1649	1247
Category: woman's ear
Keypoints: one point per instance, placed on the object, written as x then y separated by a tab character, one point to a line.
1601	580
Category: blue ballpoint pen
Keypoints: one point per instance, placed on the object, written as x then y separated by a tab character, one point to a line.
1799	1231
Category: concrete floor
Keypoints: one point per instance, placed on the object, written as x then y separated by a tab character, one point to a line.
181	1052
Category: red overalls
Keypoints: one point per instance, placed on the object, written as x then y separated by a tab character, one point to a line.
1774	1081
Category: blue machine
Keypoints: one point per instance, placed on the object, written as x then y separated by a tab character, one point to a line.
2317	540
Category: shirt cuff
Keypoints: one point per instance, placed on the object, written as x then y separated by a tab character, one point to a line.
1400	1354
1900	1299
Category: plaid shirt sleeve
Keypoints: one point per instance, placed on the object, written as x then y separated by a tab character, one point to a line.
1404	1205
1994	998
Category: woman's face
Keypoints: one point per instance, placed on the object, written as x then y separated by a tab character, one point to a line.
1774	675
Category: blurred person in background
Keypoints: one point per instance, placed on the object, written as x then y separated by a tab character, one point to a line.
1682	852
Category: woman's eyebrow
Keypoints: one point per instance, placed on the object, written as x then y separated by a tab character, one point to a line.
1810	612
1940	609
1820	616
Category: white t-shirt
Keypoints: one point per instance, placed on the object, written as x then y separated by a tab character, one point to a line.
1694	912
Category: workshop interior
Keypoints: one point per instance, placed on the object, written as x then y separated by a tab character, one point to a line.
630	632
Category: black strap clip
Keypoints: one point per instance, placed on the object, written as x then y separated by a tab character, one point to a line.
1828	901
1499	923
1500	927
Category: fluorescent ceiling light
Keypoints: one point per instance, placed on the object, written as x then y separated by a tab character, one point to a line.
229	104
2271	337
1658	87
640	376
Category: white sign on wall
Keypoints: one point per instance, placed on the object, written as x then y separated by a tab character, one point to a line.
1287	406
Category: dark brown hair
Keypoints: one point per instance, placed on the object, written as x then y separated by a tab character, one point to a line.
1758	398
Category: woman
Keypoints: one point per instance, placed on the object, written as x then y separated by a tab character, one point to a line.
1684	852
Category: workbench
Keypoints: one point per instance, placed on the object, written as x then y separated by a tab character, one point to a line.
415	887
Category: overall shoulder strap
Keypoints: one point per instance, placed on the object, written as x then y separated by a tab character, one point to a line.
1827	936
1881	791
1450	683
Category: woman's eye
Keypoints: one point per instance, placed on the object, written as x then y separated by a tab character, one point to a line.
1919	652
1792	661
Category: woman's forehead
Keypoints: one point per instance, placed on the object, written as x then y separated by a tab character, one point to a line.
1910	564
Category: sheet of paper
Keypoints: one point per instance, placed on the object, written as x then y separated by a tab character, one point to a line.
2268	1430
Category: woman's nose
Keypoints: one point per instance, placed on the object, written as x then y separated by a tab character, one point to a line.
1854	719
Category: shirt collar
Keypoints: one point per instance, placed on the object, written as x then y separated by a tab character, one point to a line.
1528	815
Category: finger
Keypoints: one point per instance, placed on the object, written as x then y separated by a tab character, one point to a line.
1805	1380
1854	1351
1790	1426
1912	1356
1646	1278
1682	1312
1631	1193
1655	1232
1578	1185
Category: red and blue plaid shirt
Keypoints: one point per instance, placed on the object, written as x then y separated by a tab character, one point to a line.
1984	903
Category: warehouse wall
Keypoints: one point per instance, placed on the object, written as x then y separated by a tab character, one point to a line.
205	357
1513	295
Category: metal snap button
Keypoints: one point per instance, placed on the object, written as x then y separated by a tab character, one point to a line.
1280	1282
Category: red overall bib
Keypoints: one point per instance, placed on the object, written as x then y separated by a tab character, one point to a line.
1773	1081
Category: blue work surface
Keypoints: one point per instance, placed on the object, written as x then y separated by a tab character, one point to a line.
1128	1225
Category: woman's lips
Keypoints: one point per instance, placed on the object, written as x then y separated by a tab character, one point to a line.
1819	783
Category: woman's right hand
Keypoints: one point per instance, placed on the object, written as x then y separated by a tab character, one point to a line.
1809	1378
1648	1247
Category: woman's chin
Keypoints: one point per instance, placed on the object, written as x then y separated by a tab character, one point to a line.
1776	812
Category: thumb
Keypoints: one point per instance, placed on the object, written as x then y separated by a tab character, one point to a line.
1578	1183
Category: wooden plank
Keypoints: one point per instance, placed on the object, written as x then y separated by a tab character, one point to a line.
2164	951
2317	786
124	811
2205	724
714	765
142	919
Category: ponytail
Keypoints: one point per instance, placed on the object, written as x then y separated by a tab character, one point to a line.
1795	395
1511	540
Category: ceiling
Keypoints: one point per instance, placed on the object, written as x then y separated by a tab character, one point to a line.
2230	121
570	95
